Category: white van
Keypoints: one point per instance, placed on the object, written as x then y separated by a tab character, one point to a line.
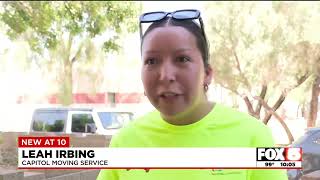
79	120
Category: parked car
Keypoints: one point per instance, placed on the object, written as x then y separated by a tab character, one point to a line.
79	120
310	143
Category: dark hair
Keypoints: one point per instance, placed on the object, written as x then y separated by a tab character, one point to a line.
190	26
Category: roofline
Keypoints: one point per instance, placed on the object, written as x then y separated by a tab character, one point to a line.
63	109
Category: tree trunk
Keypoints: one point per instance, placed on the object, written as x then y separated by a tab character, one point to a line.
314	102
65	94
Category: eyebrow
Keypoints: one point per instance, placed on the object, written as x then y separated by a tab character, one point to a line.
183	49
177	50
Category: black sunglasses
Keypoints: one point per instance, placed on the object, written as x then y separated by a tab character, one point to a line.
184	14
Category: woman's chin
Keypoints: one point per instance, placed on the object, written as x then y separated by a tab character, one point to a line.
172	113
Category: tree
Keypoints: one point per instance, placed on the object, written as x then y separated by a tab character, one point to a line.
308	50
251	54
62	33
314	101
309	53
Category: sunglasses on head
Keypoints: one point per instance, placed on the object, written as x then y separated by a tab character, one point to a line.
185	14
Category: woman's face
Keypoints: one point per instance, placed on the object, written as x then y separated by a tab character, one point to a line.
173	72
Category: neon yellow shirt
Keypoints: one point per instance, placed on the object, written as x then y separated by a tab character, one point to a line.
222	127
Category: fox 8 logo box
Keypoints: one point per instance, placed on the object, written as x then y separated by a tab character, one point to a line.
279	154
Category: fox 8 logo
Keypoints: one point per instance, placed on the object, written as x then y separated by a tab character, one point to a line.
279	154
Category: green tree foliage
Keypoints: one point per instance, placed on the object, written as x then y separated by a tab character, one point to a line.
261	51
62	33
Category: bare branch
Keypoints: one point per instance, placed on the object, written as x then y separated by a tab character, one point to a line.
249	106
262	96
246	82
271	111
283	95
280	100
302	79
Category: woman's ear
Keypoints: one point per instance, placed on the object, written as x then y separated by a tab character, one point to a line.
208	74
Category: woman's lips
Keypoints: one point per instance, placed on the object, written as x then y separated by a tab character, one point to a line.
169	96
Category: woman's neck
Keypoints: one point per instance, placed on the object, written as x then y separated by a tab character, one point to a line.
190	116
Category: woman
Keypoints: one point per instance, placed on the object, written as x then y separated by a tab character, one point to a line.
175	75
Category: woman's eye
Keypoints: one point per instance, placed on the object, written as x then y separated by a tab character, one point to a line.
150	61
183	59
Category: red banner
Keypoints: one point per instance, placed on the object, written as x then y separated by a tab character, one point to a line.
46	141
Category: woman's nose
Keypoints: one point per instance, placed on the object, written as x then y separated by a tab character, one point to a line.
167	72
